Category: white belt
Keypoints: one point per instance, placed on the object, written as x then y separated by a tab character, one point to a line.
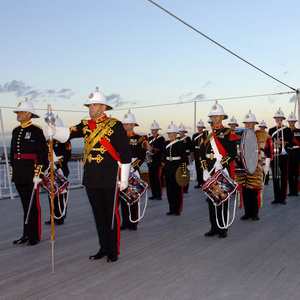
170	158
197	147
295	147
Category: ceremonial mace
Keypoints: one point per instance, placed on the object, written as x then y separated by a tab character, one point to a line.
50	120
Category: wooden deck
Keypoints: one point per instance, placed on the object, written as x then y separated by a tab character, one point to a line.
168	257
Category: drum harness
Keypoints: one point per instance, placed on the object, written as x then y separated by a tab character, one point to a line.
219	157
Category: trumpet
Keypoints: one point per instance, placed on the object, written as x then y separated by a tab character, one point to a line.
277	151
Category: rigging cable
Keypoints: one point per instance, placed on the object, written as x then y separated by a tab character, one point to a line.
193	28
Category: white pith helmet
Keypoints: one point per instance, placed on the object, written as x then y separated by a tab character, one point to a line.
129	119
200	124
97	97
279	113
172	128
26	106
217	110
250	117
58	122
292	117
154	125
262	124
182	128
233	121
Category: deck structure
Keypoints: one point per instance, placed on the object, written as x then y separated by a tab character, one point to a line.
168	257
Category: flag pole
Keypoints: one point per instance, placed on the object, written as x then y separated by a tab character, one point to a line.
50	120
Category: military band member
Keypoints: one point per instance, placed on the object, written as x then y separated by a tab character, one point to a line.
251	185
153	158
263	126
222	157
196	149
282	139
106	148
138	146
294	157
28	161
188	146
174	156
61	157
233	123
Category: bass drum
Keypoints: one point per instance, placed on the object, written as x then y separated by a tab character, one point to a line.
247	153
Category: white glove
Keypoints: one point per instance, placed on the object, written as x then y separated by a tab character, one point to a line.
267	165
36	181
123	183
50	130
57	158
218	166
205	175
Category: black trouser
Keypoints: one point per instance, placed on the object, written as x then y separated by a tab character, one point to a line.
199	171
174	193
155	180
251	201
102	202
212	216
59	206
32	229
280	177
293	176
129	209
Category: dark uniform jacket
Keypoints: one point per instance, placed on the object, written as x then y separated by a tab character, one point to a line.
100	168
287	137
295	149
138	146
28	153
157	144
196	144
188	145
227	138
174	156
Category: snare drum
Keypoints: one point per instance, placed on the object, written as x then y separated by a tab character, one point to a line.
136	188
247	157
60	182
219	187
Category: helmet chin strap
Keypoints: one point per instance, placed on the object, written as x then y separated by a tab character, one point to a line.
94	116
23	117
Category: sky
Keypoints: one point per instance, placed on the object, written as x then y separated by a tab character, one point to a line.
142	59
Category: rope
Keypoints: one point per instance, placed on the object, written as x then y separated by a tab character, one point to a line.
226	49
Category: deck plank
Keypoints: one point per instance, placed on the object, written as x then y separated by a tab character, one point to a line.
168	257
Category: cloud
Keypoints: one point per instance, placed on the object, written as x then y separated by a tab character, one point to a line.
23	90
116	101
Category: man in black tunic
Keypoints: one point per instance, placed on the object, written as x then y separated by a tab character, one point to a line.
28	161
106	148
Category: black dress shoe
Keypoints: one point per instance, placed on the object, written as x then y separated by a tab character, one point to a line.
123	227
275	202
22	240
255	218
48	222
133	227
59	221
158	198
112	256
283	202
222	234
99	255
210	233
244	217
177	214
33	242
169	213
290	194
152	198
186	192
197	186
